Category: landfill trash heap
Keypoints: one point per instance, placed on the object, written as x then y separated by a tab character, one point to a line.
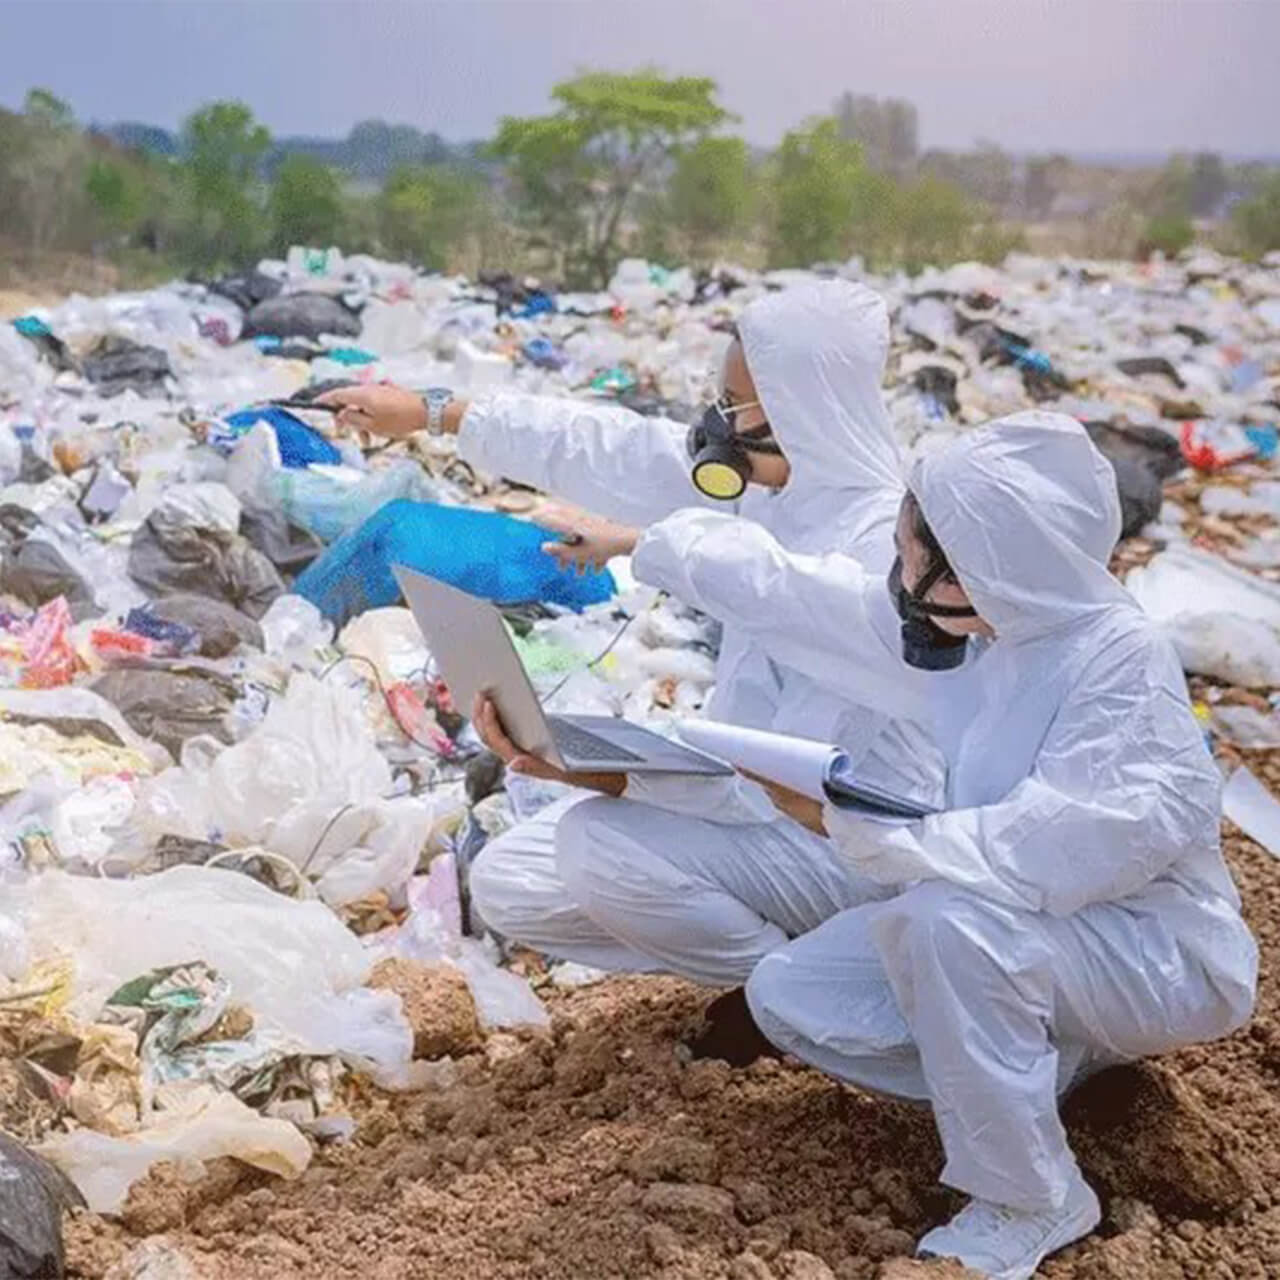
224	810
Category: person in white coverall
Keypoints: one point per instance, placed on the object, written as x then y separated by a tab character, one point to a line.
722	877
1068	907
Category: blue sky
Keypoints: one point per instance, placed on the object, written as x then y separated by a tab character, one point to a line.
1082	75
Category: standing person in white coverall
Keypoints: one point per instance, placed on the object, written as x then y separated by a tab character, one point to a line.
723	875
1069	908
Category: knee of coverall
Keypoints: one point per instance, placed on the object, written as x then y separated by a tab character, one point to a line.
943	927
770	996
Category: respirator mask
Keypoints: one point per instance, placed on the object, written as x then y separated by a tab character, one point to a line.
721	456
925	644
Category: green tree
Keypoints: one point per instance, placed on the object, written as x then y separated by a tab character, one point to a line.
935	223
1167	233
1256	220
1171	192
117	189
819	184
427	212
223	147
710	191
578	171
305	206
47	171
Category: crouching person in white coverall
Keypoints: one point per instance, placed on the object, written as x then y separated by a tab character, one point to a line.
1070	907
703	876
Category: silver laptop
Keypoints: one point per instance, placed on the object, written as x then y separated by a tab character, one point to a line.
473	650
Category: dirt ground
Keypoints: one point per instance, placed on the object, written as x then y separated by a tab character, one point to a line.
592	1151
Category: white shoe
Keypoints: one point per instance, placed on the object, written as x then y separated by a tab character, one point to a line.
1009	1244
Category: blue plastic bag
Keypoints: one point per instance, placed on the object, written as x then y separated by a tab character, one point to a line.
300	445
32	327
484	553
328	505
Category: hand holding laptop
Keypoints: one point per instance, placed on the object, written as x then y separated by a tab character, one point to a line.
488	725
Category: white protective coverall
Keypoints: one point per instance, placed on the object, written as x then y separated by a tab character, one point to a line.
724	877
1070	908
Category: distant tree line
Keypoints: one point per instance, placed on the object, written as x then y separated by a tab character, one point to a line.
621	163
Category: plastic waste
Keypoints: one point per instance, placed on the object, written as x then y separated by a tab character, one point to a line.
117	364
292	963
294	631
33	1195
36	651
301	315
103	1167
309	784
1214	446
73	711
1247	726
1253	809
1143	459
544	353
478	371
503	999
171	702
483	552
331	501
1224	622
217	628
299	443
190	543
354	357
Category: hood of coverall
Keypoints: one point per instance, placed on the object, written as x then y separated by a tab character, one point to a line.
817	354
1027	512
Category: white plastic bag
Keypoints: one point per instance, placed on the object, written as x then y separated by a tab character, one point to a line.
1224	622
308	783
391	640
503	999
104	1167
293	629
294	964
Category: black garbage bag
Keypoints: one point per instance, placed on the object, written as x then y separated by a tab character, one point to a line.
33	570
52	348
940	382
288	546
37	572
167	557
302	315
118	364
170	701
1140	365
1143	459
33	1194
221	628
246	289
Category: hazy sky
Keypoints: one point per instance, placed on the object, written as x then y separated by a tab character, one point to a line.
1083	75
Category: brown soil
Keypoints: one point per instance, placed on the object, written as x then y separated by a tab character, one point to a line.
437	1003
591	1151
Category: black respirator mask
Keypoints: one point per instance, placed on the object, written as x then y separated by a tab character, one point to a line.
925	644
722	456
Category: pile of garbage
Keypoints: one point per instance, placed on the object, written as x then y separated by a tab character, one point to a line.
231	782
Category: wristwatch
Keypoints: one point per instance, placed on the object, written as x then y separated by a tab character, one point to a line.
436	399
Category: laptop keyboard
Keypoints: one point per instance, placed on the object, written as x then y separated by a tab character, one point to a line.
579	744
